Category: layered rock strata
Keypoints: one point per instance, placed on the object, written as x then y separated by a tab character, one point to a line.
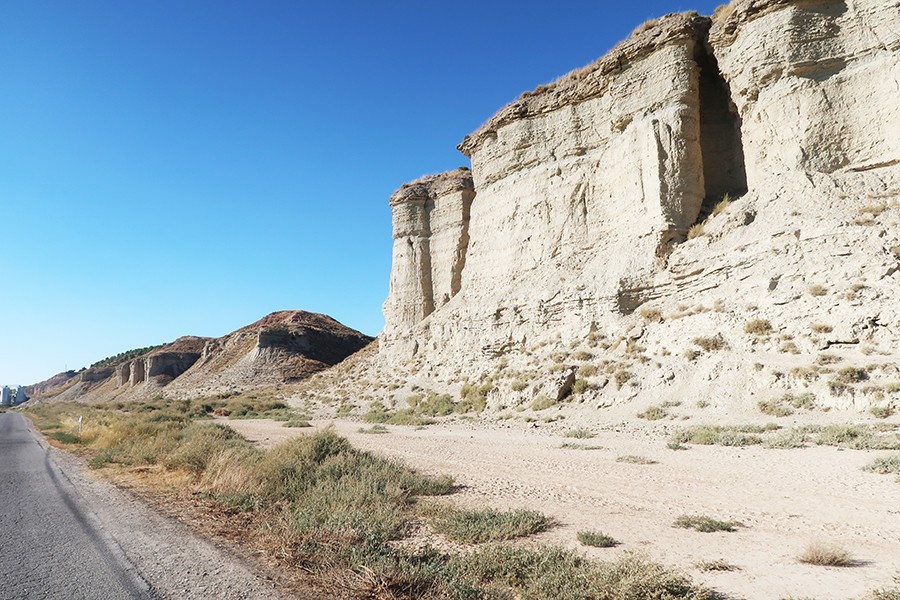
585	190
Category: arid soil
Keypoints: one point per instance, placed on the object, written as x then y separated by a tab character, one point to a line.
785	499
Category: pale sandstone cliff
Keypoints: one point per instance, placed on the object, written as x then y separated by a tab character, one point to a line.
584	191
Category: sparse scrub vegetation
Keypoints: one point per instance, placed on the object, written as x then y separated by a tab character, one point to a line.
817	290
580	433
826	555
758	327
635	460
882	412
489	525
334	511
710	344
716	565
774	408
542	402
885	465
820	328
596	539
577	446
587	370
705	524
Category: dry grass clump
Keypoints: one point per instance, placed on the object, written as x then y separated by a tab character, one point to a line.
710	344
635	460
696	230
773	407
579	433
718	435
882	412
820	328
826	555
597	539
705	524
817	290
885	465
489	525
758	327
716	565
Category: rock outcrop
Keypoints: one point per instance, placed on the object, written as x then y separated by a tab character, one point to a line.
585	191
282	347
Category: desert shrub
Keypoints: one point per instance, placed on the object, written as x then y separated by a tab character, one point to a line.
587	370
716	565
774	408
705	524
489	525
826	555
596	539
856	437
710	344
817	290
556	574
696	230
582	355
786	440
882	412
374	429
580	386
758	327
542	402
820	328
518	385
635	460
851	375
297	423
621	376
654	412
651	314
580	433
710	435
576	446
885	465
806	400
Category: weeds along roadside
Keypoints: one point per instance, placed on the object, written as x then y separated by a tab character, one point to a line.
338	516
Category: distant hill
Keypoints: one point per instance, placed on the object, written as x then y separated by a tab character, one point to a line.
281	347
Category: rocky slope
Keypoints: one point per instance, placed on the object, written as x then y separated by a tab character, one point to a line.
282	347
591	236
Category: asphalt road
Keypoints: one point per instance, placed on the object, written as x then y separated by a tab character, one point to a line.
51	545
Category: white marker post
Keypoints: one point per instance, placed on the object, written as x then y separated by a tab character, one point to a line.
80	421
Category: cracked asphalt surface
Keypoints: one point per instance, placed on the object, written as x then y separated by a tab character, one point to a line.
51	544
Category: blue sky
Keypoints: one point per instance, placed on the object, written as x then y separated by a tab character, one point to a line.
174	167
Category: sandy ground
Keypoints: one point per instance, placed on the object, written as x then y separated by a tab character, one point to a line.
785	498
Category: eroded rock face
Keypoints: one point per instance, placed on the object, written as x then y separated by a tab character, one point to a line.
585	190
815	83
281	347
431	236
605	163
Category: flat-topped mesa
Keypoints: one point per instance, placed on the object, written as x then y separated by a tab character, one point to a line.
430	223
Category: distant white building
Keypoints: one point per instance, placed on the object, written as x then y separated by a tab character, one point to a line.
12	397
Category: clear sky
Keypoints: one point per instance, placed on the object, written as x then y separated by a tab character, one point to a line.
174	167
